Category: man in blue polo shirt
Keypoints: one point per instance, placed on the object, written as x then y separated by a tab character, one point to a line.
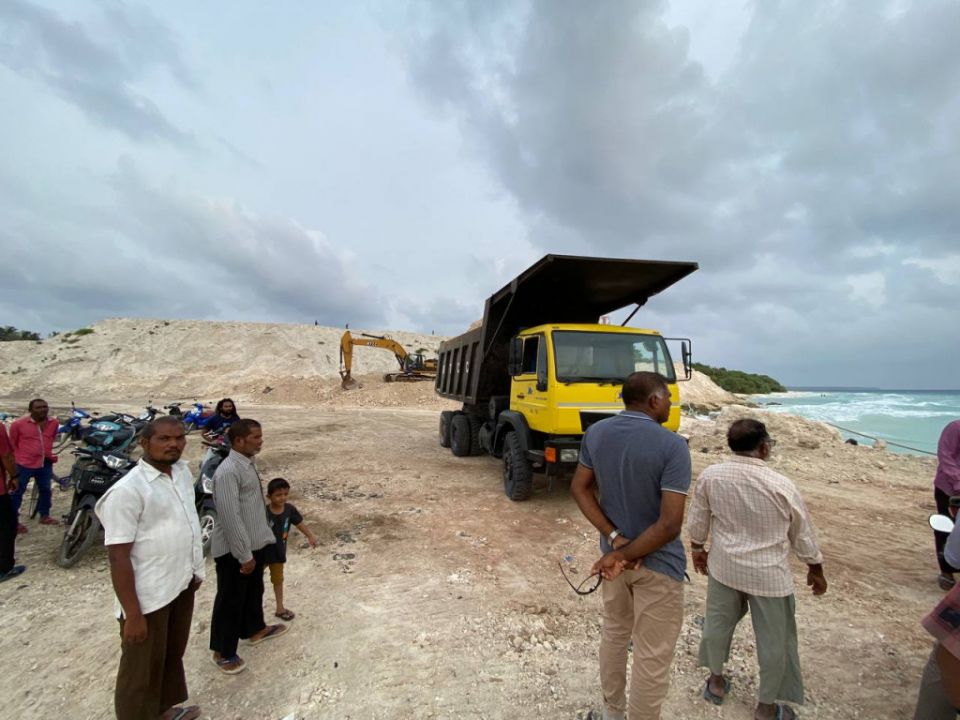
631	484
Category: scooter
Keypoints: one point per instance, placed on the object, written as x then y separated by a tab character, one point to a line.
217	450
198	417
93	473
72	429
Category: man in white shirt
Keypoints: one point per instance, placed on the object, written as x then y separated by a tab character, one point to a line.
754	517
152	536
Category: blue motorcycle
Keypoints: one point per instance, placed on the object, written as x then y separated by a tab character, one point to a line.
198	417
72	429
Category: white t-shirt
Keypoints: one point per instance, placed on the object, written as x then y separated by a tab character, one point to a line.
157	514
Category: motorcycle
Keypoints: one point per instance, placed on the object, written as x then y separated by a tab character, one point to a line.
198	417
93	473
117	431
72	429
217	450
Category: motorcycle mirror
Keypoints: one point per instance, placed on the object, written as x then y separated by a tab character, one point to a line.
941	523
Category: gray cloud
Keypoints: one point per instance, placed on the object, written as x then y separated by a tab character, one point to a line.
97	74
832	133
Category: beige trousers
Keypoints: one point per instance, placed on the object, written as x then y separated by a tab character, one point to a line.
647	607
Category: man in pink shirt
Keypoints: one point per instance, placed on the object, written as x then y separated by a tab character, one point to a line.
32	439
946	484
8	519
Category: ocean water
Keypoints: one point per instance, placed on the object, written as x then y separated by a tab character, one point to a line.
910	418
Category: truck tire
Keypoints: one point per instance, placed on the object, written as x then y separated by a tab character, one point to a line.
517	473
460	435
446	417
475	425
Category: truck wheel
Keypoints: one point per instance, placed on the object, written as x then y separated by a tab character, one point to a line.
460	434
445	419
475	425
517	473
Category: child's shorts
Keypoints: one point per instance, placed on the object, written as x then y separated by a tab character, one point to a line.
276	573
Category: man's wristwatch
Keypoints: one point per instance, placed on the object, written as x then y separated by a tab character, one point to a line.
614	535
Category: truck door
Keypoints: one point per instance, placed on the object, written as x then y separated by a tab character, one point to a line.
529	387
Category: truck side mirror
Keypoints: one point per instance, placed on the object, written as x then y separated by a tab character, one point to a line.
516	353
687	353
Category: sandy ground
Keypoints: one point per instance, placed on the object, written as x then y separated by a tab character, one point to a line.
434	596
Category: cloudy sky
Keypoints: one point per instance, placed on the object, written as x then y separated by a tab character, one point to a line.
389	164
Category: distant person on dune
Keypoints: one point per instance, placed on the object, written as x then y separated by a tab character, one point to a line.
945	484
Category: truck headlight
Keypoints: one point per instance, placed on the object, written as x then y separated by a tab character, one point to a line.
569	455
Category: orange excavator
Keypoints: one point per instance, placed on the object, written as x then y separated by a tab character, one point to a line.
414	367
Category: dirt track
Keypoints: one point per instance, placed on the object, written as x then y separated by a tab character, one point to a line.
432	595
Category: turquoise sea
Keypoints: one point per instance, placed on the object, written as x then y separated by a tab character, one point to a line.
911	418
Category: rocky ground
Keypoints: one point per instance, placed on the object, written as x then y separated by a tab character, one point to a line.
434	596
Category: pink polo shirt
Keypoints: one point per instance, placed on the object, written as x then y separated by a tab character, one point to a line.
5	449
33	444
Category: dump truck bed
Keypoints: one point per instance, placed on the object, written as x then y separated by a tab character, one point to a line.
556	289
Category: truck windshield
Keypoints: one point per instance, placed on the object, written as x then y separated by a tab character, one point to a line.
605	357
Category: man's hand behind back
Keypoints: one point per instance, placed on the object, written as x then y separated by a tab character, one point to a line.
699	558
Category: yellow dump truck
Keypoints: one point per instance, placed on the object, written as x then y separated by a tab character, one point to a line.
542	367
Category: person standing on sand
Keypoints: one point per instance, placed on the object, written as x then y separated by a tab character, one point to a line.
8	518
945	484
32	439
754	516
152	537
237	545
641	472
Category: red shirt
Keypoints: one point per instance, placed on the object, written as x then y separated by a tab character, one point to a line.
33	444
5	449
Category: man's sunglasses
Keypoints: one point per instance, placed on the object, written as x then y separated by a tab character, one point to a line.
586	586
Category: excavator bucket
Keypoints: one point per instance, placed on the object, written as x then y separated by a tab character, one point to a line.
347	382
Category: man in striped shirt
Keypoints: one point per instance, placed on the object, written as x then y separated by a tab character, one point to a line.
754	517
239	537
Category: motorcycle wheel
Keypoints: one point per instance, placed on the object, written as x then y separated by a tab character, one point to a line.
81	533
208	521
34	500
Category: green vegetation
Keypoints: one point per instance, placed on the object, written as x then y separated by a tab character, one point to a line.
737	381
83	331
9	332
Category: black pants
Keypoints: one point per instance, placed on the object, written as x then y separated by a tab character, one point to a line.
939	538
238	606
8	532
150	679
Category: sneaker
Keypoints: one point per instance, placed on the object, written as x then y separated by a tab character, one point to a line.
13	572
22	529
49	521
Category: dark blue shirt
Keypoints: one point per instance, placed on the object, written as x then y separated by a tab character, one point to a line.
635	461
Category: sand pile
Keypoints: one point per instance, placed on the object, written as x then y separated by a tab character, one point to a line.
190	358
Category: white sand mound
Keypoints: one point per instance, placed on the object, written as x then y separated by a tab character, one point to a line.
191	358
702	393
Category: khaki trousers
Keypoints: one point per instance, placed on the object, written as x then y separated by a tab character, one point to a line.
775	630
150	679
647	607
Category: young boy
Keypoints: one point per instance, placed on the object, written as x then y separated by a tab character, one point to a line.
280	516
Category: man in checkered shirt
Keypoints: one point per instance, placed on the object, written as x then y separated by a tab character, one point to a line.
755	517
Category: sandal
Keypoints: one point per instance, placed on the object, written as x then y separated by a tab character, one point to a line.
185	713
710	696
287	615
272	632
230	665
783	712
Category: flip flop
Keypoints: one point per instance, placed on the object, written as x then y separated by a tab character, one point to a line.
718	699
186	713
272	632
782	711
287	615
13	572
223	664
